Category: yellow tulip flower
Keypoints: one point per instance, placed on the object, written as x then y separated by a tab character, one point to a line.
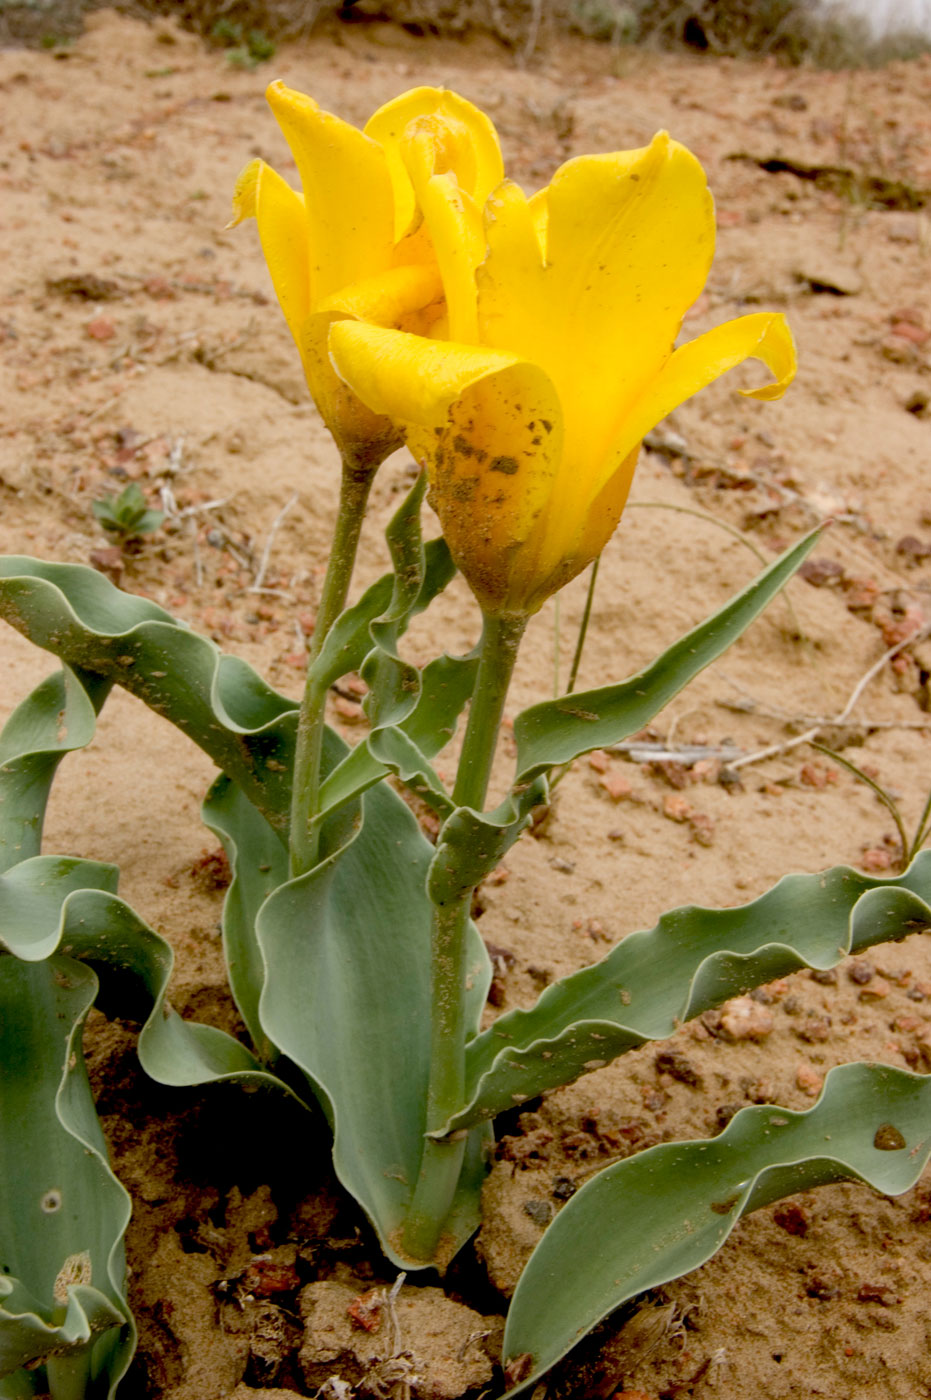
561	357
357	241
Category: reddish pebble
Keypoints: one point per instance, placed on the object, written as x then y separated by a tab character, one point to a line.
676	808
617	786
702	828
792	1219
598	761
101	328
365	1310
876	859
264	1278
906	331
808	1080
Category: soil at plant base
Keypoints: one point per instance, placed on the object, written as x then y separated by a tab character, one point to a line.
141	342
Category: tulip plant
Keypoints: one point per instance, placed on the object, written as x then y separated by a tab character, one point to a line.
521	348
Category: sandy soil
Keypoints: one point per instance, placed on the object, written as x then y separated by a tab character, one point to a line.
139	341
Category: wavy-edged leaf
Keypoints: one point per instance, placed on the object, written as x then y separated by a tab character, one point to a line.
63	1213
58	717
349	641
106	637
347	999
227	709
445	686
54	905
693	959
557	731
655	1216
412	713
472	844
259	864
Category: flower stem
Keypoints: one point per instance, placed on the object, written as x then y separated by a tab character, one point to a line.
442	1158
354	491
501	637
583	627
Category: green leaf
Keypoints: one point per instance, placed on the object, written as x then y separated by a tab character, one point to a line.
227	709
347	998
413	714
58	717
663	1212
693	959
349	641
445	686
259	864
557	731
472	844
63	1214
105	636
53	904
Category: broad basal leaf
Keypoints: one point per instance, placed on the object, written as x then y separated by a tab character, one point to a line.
347	998
63	1214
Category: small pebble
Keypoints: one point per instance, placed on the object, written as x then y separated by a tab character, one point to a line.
808	1080
745	1019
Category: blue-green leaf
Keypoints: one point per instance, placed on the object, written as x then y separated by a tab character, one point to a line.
557	731
347	998
472	844
58	717
655	1216
693	959
63	1214
227	709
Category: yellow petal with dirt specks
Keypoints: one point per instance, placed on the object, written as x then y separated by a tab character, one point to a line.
347	192
488	428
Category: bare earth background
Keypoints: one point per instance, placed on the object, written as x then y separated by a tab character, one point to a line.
139	341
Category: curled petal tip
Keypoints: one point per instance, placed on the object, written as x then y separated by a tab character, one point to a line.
244	193
776	348
279	94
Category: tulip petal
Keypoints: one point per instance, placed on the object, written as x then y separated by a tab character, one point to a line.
388	299
455	226
628	243
262	194
457	136
394	298
409	378
579	535
488	427
763	336
347	192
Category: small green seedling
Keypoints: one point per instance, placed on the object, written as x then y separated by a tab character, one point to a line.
244	48
127	516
